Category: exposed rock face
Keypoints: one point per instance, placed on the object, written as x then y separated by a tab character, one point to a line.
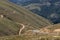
45	31
54	29
37	32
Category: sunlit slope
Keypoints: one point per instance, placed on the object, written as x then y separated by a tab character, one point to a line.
24	16
22	37
18	38
25	37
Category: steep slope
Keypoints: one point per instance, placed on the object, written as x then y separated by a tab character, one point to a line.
14	14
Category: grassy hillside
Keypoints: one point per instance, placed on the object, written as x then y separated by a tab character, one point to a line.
25	37
14	14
